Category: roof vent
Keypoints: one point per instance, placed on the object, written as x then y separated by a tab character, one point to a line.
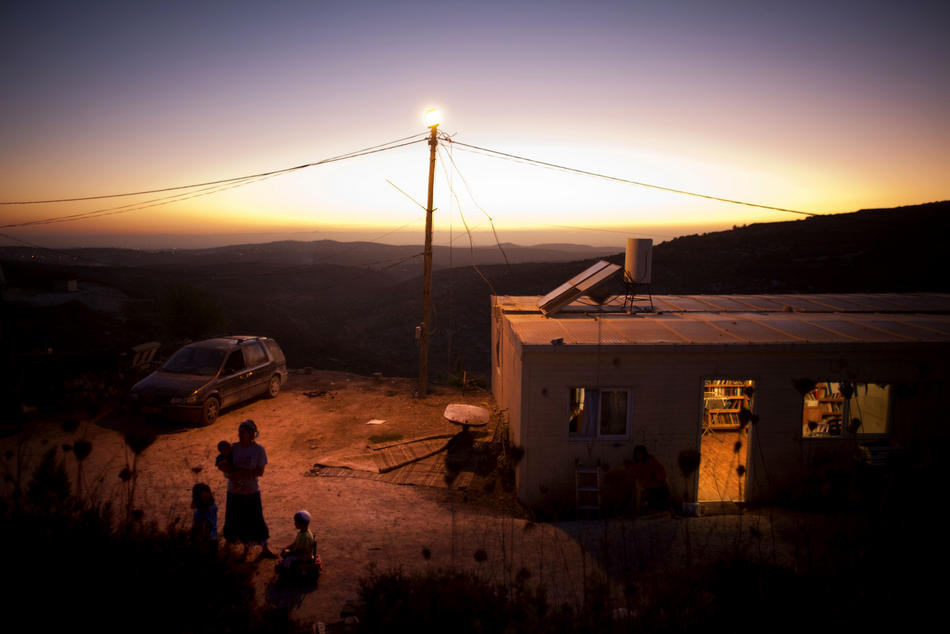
576	286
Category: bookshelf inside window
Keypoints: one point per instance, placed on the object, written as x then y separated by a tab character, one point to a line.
722	402
823	411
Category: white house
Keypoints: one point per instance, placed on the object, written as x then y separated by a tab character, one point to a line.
773	383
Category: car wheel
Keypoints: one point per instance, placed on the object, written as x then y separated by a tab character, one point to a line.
273	388
210	410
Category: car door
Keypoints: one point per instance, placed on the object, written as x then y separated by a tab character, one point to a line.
232	382
258	366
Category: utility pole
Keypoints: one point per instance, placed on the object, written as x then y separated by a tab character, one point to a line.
432	120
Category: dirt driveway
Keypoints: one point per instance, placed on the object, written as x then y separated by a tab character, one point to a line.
363	522
358	522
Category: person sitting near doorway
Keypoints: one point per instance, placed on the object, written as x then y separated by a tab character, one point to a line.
649	474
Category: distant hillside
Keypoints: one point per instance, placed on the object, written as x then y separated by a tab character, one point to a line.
402	259
354	306
875	250
883	250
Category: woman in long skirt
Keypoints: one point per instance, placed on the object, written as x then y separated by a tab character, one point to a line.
244	514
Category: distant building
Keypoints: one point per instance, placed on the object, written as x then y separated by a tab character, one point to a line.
774	383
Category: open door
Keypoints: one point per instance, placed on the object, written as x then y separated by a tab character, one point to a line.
724	445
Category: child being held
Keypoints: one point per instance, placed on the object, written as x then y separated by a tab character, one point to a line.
304	548
205	524
224	459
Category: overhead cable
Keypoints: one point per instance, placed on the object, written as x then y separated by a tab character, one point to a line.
380	147
204	191
673	190
471	242
491	221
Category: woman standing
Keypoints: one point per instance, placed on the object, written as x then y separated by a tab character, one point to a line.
244	515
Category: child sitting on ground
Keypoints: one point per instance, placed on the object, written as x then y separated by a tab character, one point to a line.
205	522
224	459
304	548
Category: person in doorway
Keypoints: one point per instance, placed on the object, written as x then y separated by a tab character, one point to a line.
244	514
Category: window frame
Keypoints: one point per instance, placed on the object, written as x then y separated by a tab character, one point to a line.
249	351
597	435
226	371
847	414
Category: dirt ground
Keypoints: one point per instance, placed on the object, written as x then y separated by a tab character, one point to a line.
361	523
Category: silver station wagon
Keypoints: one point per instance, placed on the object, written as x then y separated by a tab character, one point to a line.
205	376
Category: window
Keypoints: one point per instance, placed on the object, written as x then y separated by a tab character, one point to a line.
832	409
871	404
255	355
235	363
275	352
599	413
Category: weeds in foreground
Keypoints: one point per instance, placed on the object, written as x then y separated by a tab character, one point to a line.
83	564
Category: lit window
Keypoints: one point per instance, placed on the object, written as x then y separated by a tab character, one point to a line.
599	413
871	404
833	409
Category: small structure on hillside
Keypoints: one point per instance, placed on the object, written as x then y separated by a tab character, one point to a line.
781	395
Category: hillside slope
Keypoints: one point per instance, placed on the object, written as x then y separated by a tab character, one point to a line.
359	315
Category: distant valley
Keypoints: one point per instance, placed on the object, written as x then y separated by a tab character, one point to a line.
354	306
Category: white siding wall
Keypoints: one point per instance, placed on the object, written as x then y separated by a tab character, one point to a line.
667	389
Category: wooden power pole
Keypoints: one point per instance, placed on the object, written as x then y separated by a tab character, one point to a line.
427	274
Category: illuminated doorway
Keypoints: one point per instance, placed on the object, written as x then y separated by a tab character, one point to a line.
724	444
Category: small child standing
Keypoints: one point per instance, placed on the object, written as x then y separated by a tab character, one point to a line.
304	548
205	521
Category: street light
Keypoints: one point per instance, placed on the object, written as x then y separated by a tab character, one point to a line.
432	118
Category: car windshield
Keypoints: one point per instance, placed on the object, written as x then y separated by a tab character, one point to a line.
194	360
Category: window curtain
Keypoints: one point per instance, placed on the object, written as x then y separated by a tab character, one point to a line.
591	409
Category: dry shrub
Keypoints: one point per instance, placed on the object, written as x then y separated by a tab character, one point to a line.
79	568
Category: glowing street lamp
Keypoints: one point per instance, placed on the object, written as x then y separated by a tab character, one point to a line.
432	118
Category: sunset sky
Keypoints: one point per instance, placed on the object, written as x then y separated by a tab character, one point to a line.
815	106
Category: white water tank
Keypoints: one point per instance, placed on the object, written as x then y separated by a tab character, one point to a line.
638	265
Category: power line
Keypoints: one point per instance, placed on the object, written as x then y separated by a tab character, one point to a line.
403	192
155	202
621	180
601	229
221	181
471	242
491	221
229	184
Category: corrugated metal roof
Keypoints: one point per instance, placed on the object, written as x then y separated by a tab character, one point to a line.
816	302
643	330
584	330
738	320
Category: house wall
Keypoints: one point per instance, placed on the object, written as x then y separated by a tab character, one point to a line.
667	389
507	373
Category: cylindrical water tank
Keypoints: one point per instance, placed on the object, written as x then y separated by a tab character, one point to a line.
638	265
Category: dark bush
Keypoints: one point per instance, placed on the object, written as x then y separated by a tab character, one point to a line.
459	602
79	569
